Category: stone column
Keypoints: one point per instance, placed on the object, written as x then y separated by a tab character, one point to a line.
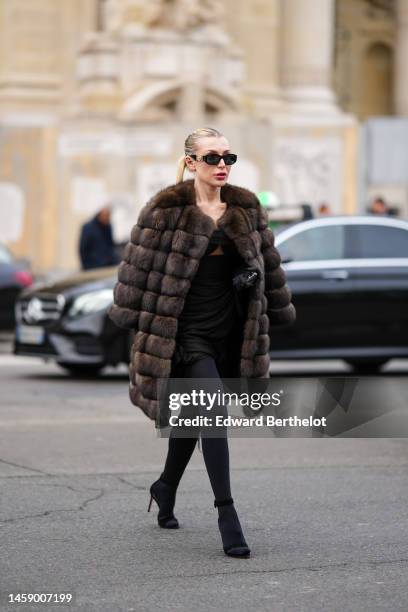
307	54
190	105
254	26
401	60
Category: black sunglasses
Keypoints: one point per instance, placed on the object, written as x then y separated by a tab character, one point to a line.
213	159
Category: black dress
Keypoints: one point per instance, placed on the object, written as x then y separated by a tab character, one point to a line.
209	323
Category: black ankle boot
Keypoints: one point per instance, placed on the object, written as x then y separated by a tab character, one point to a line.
164	495
231	533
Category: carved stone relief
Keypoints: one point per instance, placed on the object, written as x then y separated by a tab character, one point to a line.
308	170
172	14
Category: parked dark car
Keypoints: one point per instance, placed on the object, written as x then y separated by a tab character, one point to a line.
66	321
14	276
349	279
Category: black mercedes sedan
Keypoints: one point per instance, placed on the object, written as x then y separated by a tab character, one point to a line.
348	276
66	321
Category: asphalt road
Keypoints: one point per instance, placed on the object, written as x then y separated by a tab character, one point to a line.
326	519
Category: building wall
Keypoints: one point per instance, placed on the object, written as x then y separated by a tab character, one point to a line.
74	132
364	56
39	41
29	193
254	25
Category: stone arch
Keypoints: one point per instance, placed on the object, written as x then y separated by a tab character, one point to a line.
160	101
217	102
377	80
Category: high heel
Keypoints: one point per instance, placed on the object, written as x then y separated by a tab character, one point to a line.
164	495
233	540
150	504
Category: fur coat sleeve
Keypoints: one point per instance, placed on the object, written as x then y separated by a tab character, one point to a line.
129	293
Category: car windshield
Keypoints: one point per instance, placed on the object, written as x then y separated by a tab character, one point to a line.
5	256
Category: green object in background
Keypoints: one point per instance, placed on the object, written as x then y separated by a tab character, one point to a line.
264	197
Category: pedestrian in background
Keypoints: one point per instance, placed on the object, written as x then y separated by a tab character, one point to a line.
175	289
96	246
379	207
323	209
307	211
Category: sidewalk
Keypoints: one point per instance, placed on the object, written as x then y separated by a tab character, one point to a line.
6	342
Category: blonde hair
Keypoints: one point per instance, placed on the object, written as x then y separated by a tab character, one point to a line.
190	147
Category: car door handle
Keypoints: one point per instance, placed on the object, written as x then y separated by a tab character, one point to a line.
335	274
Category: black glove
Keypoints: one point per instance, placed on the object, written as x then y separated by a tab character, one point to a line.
244	276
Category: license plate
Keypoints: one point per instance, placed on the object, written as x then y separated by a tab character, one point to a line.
30	334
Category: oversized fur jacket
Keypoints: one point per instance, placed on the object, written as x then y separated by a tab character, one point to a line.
160	261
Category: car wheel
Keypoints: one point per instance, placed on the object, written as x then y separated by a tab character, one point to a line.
81	370
366	366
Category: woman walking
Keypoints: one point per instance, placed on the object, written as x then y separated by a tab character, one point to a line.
192	243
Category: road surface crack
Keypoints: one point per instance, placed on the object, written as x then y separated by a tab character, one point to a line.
25	467
314	568
130	484
81	507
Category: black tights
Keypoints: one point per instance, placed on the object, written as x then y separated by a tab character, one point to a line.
215	450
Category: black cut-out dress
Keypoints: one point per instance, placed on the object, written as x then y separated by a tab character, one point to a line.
210	322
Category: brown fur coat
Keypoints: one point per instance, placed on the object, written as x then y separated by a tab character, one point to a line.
160	261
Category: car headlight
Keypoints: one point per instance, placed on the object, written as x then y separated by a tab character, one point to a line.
91	302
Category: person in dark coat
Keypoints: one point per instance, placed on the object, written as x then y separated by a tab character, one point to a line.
96	246
174	290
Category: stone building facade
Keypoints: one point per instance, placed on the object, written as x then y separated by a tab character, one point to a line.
97	96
